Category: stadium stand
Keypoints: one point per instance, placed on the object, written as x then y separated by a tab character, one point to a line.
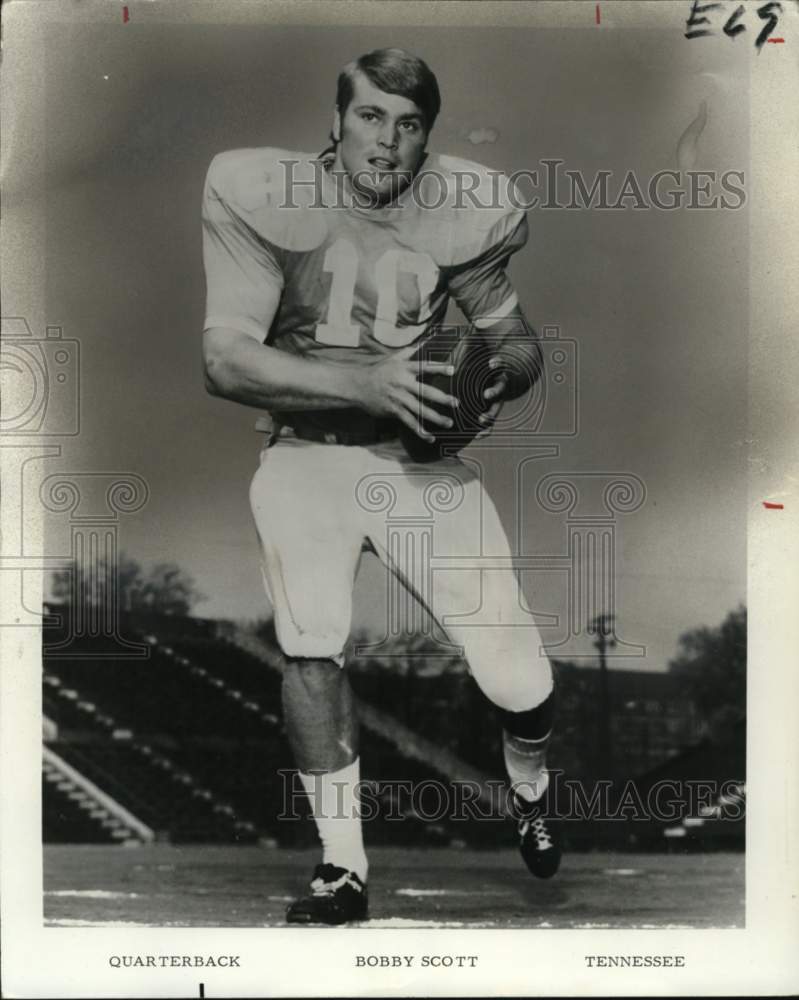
190	741
82	807
713	806
67	821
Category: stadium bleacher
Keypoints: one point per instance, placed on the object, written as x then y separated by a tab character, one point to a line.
191	741
65	822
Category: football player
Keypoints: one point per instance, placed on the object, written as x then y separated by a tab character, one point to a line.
325	273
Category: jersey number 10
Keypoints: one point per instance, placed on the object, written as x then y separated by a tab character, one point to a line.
341	260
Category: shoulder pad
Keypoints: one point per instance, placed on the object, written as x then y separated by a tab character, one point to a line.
272	190
472	207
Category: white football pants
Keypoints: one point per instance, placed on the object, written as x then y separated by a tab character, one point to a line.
316	505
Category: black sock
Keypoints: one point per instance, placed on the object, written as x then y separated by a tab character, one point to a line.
532	724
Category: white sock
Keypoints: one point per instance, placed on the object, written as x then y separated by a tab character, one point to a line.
524	761
337	815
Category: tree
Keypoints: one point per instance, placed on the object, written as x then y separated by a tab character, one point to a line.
164	588
712	665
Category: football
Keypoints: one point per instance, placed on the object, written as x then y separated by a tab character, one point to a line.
469	354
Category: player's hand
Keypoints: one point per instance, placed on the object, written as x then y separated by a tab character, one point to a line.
494	396
392	388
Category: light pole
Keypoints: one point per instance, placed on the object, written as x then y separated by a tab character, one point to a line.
602	626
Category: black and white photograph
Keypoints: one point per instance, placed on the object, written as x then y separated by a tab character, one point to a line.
399	465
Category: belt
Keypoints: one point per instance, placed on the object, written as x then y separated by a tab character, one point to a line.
378	430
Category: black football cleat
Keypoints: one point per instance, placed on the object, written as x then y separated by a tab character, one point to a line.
539	842
337	896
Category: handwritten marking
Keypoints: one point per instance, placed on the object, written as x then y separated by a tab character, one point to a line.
597	14
202	989
773	506
125	15
775	41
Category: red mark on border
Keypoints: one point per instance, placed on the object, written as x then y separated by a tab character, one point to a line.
775	41
125	15
597	13
773	506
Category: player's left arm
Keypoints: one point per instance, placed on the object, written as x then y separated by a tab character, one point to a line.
486	296
517	359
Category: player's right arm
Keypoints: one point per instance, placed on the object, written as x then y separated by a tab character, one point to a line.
240	368
244	285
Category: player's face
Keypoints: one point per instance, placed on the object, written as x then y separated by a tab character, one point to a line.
381	141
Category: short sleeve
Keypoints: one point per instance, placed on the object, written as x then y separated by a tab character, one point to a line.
243	276
481	286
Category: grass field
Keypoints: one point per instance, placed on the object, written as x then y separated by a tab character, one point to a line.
168	886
